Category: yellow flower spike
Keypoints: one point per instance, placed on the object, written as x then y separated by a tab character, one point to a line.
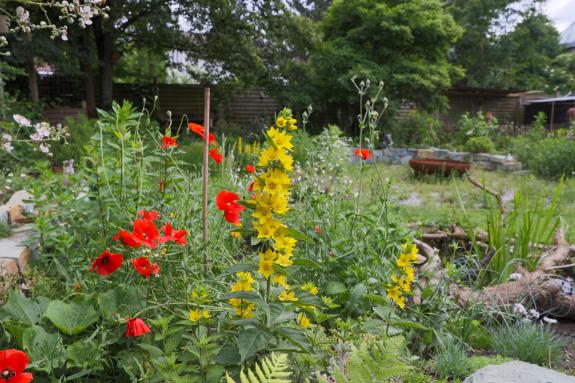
281	139
394	294
303	320
239	145
284	260
287	296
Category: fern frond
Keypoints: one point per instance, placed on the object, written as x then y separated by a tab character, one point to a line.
269	370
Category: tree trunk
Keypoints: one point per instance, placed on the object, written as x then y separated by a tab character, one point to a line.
86	67
105	46
33	82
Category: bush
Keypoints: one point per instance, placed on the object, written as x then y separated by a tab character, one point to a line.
418	129
482	125
532	343
550	157
480	144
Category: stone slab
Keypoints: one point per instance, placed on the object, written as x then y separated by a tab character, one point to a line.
20	198
518	372
9	267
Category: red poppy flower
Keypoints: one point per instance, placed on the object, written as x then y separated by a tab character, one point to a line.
200	131
250	168
363	153
126	239
168	141
136	327
226	201
12	365
216	156
145	267
251	186
178	236
107	263
145	232
151	215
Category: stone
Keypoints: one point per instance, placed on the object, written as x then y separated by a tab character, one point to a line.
20	198
518	372
8	266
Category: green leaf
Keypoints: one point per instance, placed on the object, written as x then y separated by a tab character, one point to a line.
295	336
228	356
154	351
239	267
72	318
82	354
45	350
251	341
248	295
298	235
22	309
334	288
307	263
410	324
249	205
125	301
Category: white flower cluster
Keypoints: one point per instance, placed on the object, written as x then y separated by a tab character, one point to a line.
76	11
530	315
43	134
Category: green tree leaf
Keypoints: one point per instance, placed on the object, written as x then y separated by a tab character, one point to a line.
71	318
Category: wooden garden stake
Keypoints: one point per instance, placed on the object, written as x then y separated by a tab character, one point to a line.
205	174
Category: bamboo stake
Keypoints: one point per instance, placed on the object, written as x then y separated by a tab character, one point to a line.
205	174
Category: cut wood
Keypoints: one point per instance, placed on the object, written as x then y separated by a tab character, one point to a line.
541	286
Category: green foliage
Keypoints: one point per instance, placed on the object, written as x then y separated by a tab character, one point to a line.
418	129
561	74
479	145
404	44
476	362
506	44
372	361
480	125
452	361
532	343
80	129
270	370
71	318
5	230
552	157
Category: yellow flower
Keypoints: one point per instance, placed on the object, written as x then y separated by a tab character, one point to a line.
235	234
284	260
206	314
310	287
267	228
287	297
281	140
276	181
303	320
394	294
271	154
244	282
239	145
280	279
292	124
266	267
284	243
403	261
269	255
401	282
195	315
235	302
409	274
247	312
281	122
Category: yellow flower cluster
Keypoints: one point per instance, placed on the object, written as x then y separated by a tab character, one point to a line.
402	281
252	148
199	297
271	189
244	282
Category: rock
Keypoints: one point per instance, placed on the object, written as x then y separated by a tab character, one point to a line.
14	254
8	267
19	199
518	372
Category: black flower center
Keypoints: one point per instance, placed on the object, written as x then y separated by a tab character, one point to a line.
105	260
7	374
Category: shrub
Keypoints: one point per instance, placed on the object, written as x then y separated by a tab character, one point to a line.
418	129
482	125
552	157
451	361
480	144
532	343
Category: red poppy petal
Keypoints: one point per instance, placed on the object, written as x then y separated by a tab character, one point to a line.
24	377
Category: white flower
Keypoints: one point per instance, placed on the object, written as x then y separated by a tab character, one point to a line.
514	277
44	148
21	120
42	131
518	308
68	166
7	142
22	15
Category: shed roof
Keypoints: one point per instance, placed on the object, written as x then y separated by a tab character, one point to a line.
553	99
567	38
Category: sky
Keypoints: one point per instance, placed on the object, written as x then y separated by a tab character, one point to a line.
561	12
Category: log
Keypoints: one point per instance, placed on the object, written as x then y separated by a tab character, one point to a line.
541	286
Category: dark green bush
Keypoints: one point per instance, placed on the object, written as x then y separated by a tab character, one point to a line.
418	129
550	157
481	144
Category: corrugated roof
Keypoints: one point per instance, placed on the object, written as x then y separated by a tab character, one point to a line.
552	99
567	38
